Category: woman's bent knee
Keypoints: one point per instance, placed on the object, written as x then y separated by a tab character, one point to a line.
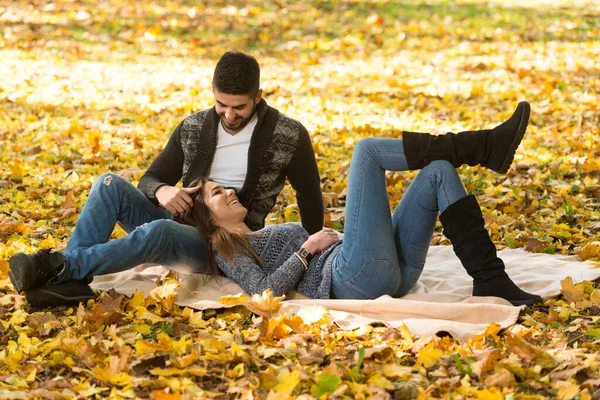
443	166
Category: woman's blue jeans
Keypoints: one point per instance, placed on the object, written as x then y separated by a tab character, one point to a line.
382	253
153	236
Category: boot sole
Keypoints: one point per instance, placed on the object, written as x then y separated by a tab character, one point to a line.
44	298
529	302
510	156
17	271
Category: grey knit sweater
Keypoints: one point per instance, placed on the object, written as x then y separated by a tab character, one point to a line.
282	270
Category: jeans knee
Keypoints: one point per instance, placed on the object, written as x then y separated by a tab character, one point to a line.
365	145
160	229
440	168
109	180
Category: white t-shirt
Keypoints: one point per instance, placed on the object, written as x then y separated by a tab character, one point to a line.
230	162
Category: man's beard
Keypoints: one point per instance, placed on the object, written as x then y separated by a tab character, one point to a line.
240	125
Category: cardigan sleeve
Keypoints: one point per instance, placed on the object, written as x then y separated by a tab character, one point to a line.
303	174
166	169
244	271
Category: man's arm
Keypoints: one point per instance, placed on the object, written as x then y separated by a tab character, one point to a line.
303	174
166	169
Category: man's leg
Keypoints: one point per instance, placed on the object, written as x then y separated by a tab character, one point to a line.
162	241
113	199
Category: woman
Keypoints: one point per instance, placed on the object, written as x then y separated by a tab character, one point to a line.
379	254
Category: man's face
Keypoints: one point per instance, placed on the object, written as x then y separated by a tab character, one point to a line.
235	110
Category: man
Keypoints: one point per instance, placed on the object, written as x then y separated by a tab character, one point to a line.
241	143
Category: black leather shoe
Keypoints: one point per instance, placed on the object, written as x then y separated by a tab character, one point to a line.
68	293
29	270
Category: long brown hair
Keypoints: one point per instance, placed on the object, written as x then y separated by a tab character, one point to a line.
219	240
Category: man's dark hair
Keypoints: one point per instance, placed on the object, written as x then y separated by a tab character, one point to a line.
237	73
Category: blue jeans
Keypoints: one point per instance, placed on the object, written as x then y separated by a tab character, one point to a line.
383	253
152	235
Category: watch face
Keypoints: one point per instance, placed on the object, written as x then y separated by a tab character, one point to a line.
306	254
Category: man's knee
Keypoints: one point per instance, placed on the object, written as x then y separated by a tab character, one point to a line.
113	181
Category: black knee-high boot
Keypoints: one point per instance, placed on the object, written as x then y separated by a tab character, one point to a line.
491	148
464	225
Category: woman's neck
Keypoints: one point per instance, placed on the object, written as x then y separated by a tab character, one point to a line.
239	227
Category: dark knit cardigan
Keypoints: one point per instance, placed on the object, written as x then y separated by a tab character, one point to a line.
280	147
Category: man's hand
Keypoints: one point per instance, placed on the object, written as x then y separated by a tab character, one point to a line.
176	200
321	241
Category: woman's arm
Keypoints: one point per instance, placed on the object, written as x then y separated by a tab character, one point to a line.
244	271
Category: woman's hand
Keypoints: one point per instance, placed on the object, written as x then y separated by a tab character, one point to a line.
176	200
321	240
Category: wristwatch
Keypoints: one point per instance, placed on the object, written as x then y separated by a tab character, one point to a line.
305	254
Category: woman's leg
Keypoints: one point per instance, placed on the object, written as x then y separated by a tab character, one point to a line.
367	265
464	225
492	148
373	261
435	188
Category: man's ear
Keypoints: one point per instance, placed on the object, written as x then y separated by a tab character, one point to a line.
258	96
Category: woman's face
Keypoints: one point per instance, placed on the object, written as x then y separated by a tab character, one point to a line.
223	204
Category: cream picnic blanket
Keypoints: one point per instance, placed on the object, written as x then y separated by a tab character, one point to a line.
440	301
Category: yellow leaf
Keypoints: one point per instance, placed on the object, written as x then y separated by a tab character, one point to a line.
567	390
381	381
119	379
17	171
142	329
143	313
162	395
164	291
136	300
18	317
572	293
4	267
318	315
264	305
396	371
488	394
288	383
195	371
429	356
48	243
234	300
590	251
196	320
237	372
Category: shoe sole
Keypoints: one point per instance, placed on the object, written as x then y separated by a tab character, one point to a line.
49	298
17	272
510	156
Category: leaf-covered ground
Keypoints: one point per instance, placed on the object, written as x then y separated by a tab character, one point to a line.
88	87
